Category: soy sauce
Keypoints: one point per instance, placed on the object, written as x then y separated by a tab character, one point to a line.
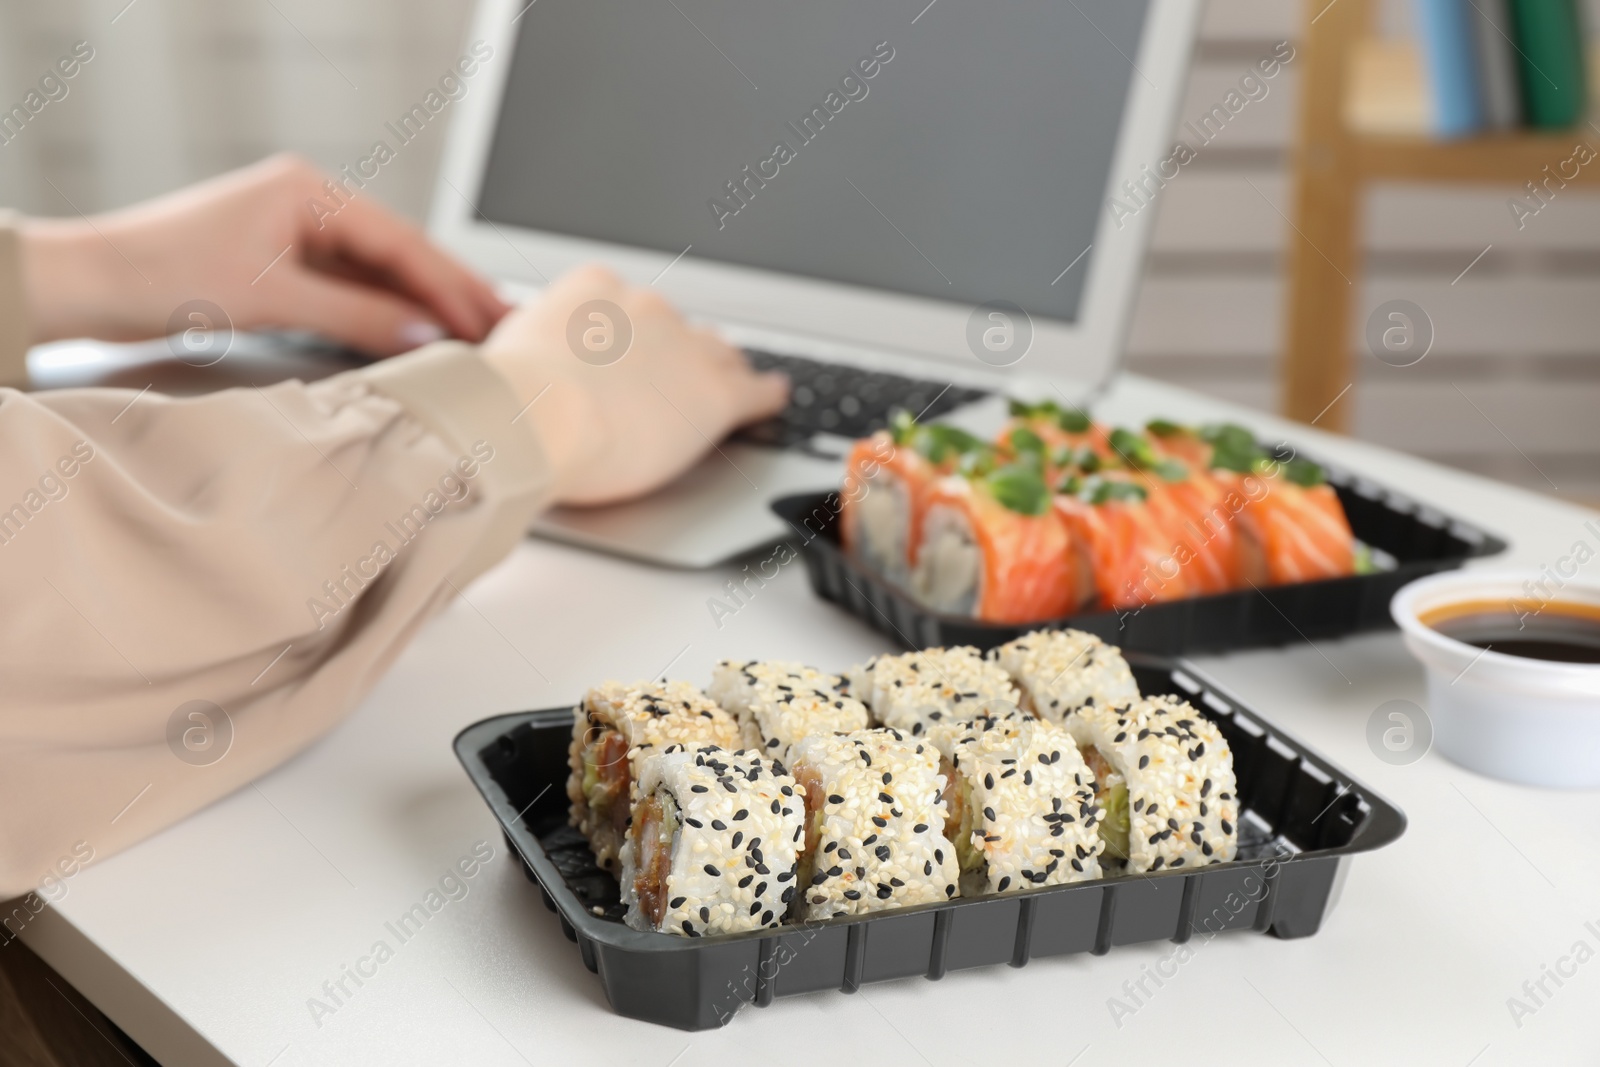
1561	631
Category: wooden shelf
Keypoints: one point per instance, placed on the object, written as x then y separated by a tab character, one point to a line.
1513	158
1364	117
1386	118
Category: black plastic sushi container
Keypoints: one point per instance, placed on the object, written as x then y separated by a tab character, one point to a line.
1408	539
1301	820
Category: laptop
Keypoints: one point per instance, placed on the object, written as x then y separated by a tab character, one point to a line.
928	206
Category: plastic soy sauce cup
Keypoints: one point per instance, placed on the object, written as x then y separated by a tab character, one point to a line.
1513	673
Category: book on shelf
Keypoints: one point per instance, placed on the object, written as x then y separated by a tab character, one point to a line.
1554	83
1498	65
1450	61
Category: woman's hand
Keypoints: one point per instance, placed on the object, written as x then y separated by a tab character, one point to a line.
624	394
253	243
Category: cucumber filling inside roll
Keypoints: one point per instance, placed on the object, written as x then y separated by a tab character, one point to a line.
607	776
1111	796
958	822
810	783
655	838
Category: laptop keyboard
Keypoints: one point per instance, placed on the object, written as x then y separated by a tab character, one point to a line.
849	401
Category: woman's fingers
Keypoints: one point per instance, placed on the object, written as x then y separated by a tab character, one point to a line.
386	245
762	396
372	320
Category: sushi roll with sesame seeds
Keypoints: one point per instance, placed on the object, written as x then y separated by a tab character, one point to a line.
917	690
1020	805
1164	777
613	730
874	824
779	703
1060	671
713	843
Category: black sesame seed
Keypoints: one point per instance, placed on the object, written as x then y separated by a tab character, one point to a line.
698	789
988	813
884	892
718	824
1004	883
835	798
1144	761
676	902
712	871
988	781
1077	866
1227	827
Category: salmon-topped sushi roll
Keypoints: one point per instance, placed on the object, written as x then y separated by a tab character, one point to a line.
1128	549
993	548
1301	528
887	477
1064	435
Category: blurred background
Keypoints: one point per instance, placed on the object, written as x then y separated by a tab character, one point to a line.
1509	388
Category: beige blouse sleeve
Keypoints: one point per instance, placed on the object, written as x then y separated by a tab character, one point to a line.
195	589
15	330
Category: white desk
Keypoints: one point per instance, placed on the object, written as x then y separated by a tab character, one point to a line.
207	942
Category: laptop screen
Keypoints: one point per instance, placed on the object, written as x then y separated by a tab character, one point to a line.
957	151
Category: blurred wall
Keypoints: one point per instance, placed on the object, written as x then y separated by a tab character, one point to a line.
1512	386
180	89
